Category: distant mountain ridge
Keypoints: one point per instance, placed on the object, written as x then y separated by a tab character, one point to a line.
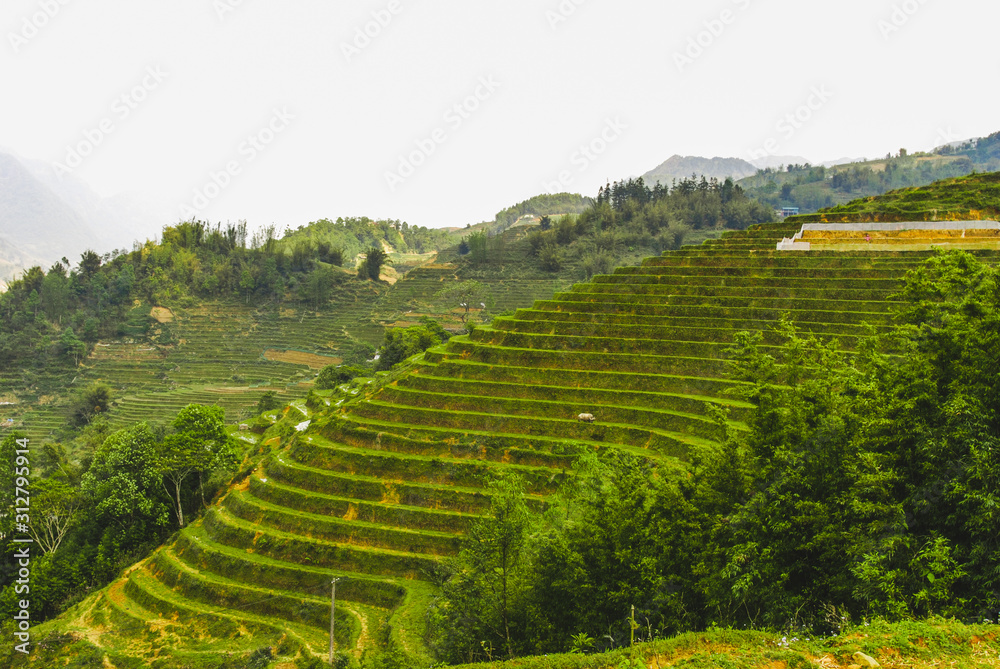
34	221
682	167
44	217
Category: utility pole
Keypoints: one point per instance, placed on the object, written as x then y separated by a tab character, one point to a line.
333	603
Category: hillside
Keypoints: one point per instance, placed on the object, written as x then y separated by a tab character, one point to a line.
684	167
972	197
542	205
912	645
380	487
203	315
811	187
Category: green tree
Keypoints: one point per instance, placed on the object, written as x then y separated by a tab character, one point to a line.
200	446
332	376
487	580
55	293
375	259
71	347
90	403
267	402
271	282
402	343
318	286
479	247
247	284
549	258
54	508
468	295
122	489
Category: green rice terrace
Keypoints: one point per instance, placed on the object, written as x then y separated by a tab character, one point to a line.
229	354
221	353
379	488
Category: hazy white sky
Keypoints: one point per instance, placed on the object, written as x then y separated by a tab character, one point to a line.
449	110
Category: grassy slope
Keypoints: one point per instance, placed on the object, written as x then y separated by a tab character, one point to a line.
909	645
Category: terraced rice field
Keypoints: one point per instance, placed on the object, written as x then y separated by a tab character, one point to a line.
222	353
380	490
416	295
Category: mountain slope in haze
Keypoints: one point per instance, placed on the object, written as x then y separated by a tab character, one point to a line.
682	167
117	220
45	217
36	221
778	161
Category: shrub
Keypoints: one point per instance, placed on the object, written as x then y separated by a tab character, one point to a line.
267	402
401	343
548	258
334	375
90	403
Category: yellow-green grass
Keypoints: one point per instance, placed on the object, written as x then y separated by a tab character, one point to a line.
906	645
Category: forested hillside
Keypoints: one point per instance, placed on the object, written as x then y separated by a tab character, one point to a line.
542	205
815	187
51	316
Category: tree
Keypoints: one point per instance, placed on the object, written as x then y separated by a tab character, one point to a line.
270	281
122	487
318	286
479	247
267	402
487	579
71	347
200	445
90	263
332	376
55	293
401	343
247	283
374	260
90	403
468	295
54	505
549	258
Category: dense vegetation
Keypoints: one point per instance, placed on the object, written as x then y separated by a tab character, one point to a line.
51	317
355	235
658	218
105	500
861	486
811	188
627	218
867	486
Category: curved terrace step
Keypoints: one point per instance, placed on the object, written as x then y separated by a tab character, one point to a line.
578	396
227	529
195	548
655	417
414	494
267	516
266	488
